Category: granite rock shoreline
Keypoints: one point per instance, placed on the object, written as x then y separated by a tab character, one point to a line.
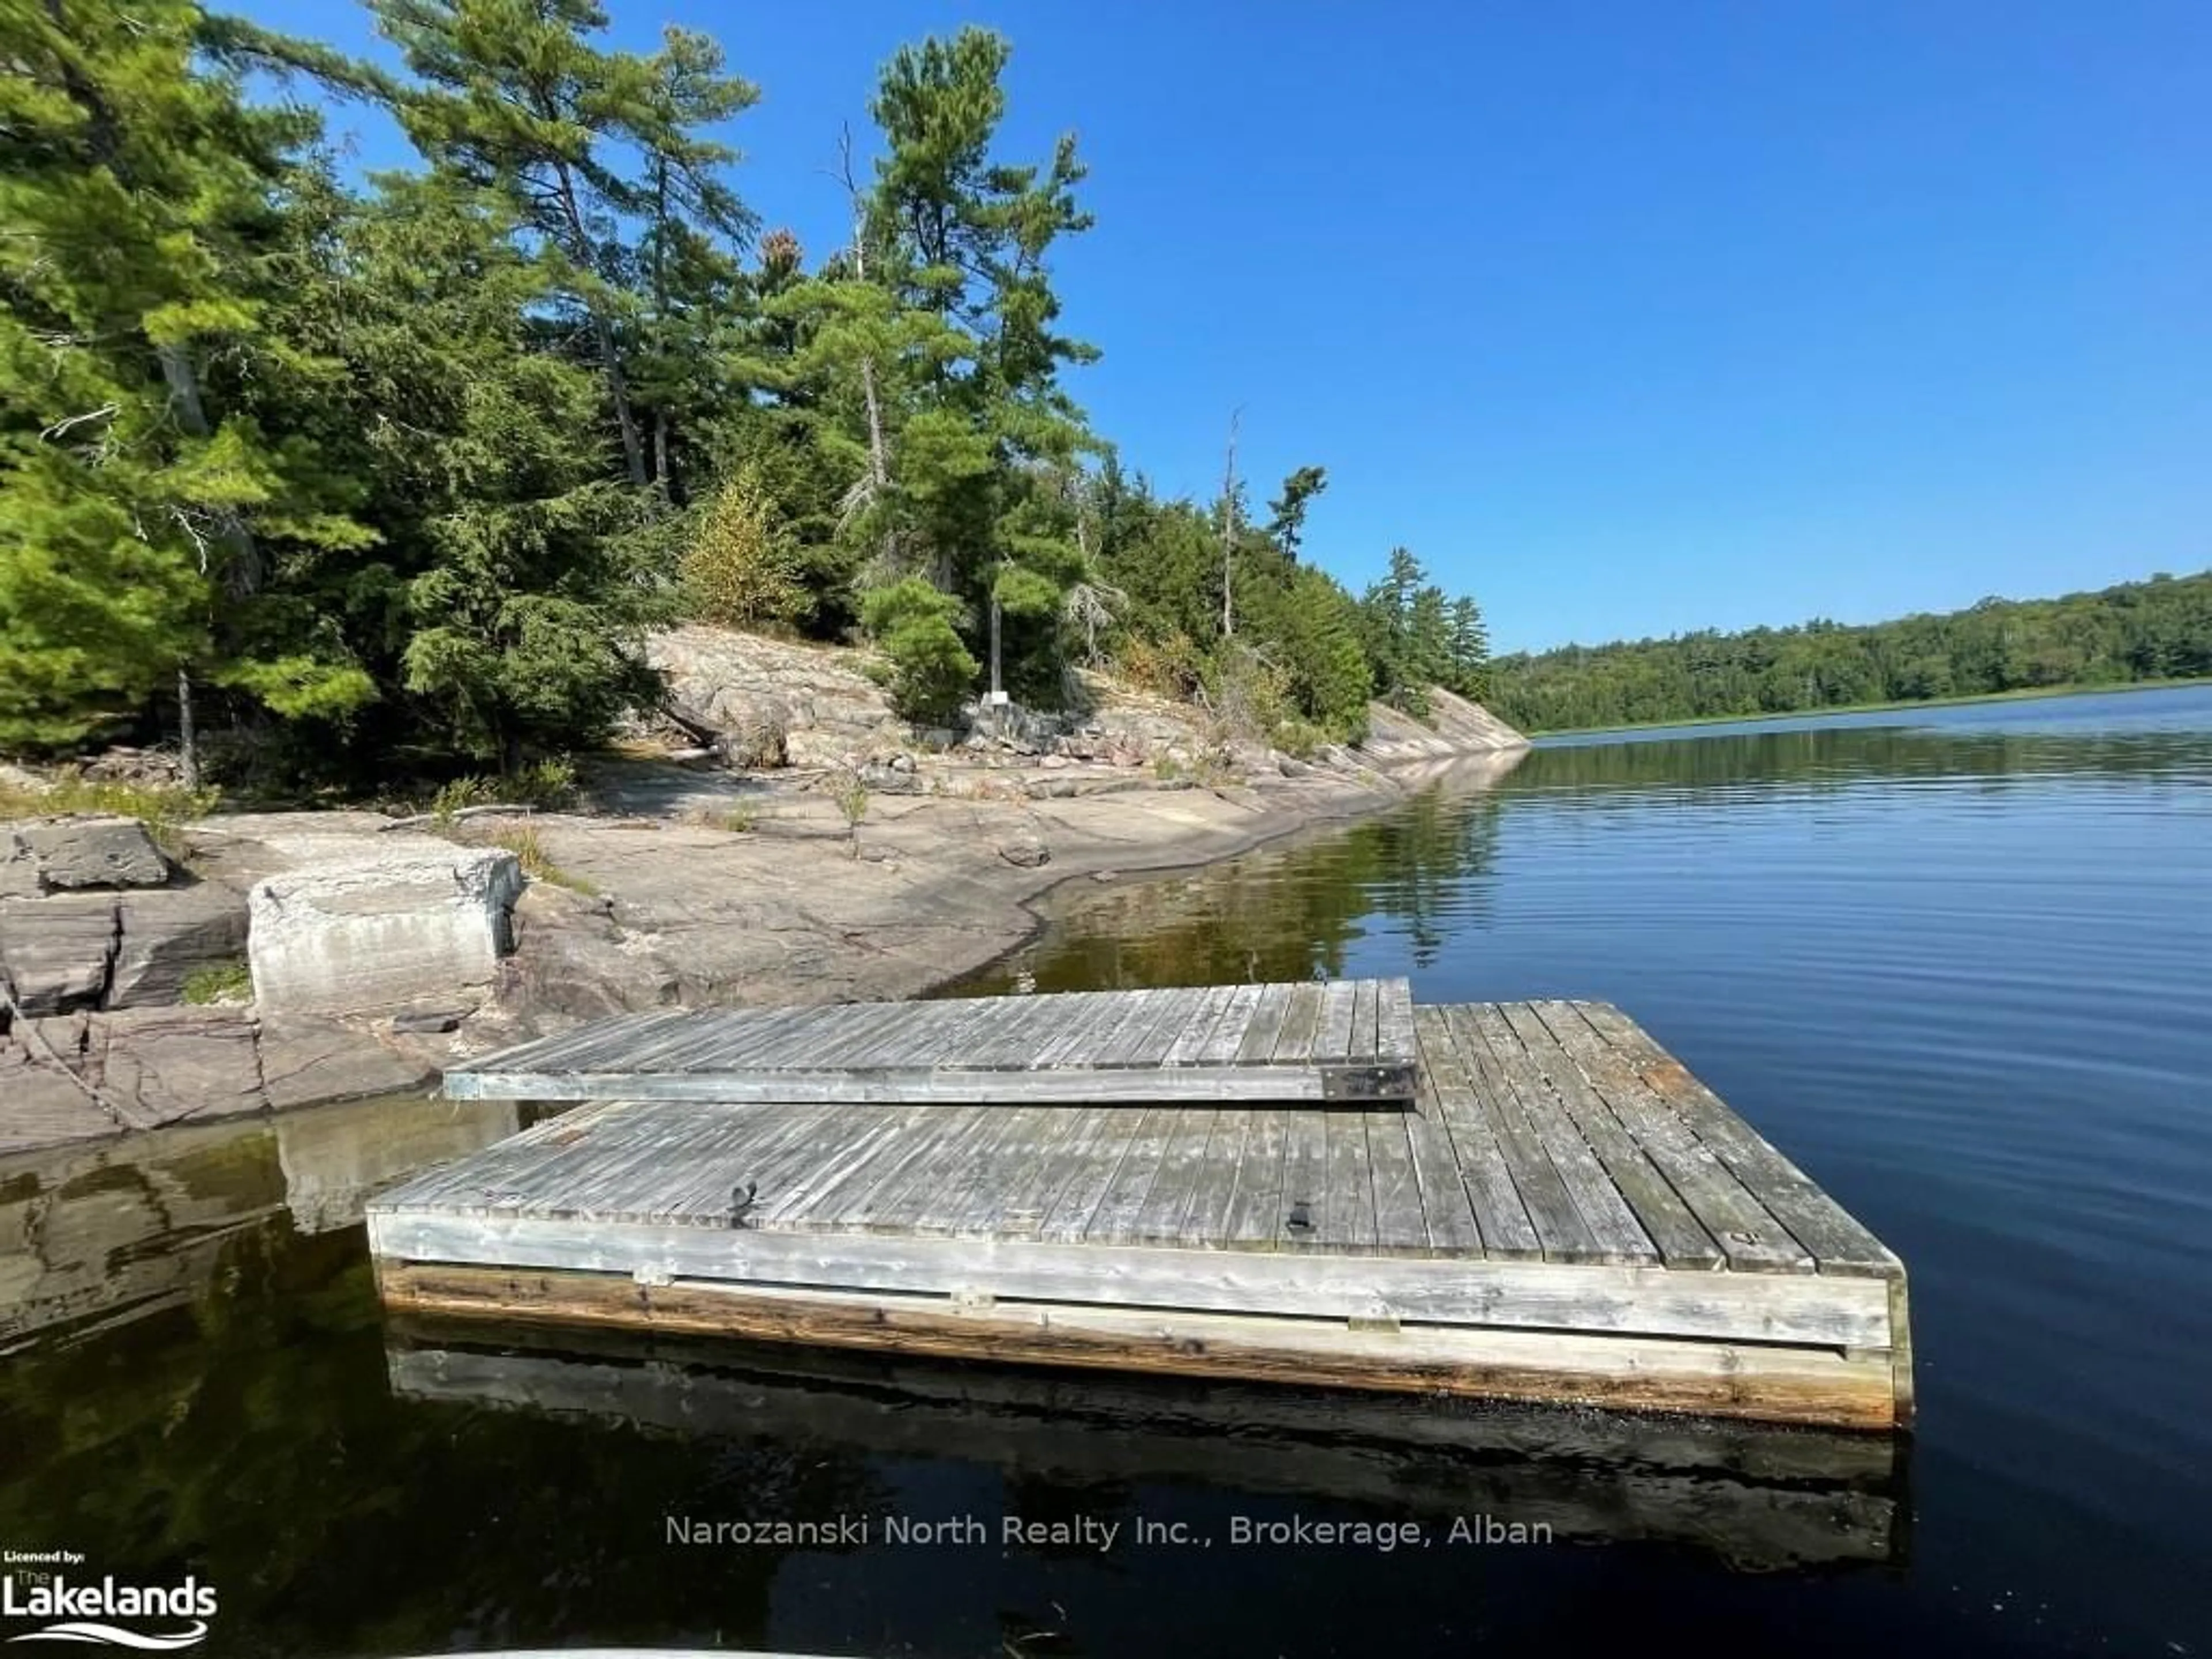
678	886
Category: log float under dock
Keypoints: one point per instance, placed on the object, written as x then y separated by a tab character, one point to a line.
1560	1212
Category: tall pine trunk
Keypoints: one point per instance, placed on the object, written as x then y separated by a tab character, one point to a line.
603	331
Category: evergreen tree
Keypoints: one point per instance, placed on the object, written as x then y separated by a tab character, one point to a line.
514	96
1469	649
144	508
1286	514
739	569
507	610
966	238
410	472
695	295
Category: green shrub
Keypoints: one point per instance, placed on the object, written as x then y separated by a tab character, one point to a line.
850	795
546	784
460	793
741	569
1299	738
1249	694
931	669
1171	667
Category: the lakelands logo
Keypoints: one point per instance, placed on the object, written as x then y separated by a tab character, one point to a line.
105	1612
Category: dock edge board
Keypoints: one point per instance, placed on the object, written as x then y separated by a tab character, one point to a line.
1812	1349
1853	1389
1274	1085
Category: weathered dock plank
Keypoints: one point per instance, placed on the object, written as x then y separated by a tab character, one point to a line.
1281	1044
1768	1308
1560	1210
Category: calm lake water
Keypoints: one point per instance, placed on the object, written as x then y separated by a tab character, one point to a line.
1955	963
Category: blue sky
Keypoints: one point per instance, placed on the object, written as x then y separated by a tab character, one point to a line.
1628	318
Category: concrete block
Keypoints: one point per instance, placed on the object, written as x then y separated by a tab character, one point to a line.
385	924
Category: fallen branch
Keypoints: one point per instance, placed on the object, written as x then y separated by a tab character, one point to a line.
498	809
696	726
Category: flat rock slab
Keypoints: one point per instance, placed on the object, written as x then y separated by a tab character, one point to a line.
166	936
76	951
164	1064
57	953
310	1062
145	1067
39	1107
381	923
71	854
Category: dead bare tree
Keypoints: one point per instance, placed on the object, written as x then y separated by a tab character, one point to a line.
1229	530
871	489
1091	607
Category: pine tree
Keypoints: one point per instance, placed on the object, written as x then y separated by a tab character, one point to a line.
1469	649
507	610
960	235
1286	514
516	97
1409	632
145	511
694	292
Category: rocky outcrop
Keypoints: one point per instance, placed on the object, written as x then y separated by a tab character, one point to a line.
813	704
379	925
97	1040
307	1061
58	954
757	704
68	855
163	1064
1454	728
573	961
379	954
88	950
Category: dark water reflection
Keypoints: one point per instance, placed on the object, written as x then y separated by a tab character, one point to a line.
1960	967
1957	969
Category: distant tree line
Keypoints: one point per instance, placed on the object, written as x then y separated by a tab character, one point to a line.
2157	630
403	474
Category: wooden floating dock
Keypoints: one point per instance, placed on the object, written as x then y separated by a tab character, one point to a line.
1559	1212
1352	1040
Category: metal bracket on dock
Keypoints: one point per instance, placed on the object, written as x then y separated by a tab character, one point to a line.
654	1274
1367	1084
974	1301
